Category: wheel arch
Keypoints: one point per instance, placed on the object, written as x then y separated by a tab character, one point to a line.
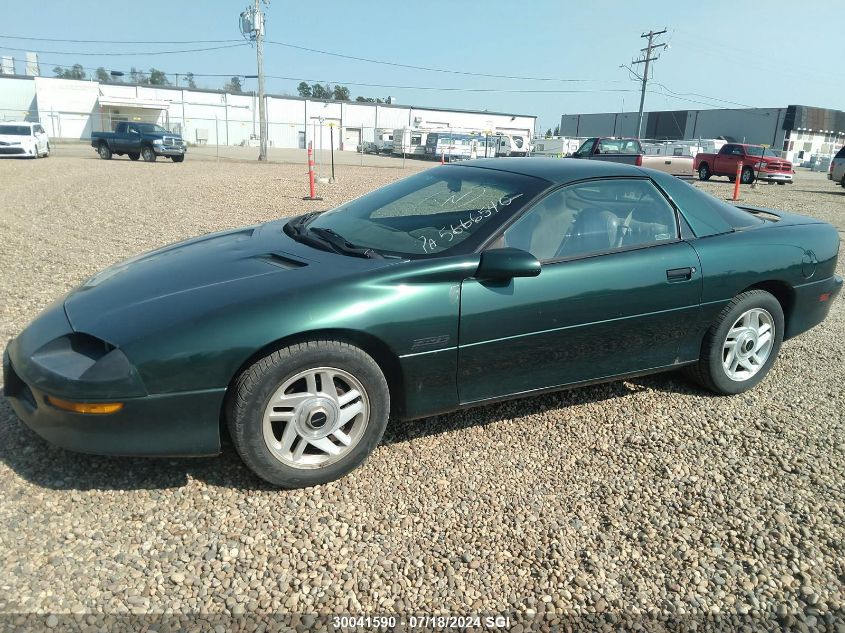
377	349
781	291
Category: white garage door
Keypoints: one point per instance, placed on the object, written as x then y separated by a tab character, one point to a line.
351	138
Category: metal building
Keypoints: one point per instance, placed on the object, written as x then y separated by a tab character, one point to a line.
799	132
72	109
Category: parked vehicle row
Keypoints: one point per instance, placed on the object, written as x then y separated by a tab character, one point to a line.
455	145
139	140
757	163
23	139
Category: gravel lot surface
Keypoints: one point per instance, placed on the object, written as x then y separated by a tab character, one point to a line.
627	499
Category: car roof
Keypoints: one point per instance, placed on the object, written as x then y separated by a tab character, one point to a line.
558	170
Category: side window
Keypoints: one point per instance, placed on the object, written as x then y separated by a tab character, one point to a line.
131	129
594	217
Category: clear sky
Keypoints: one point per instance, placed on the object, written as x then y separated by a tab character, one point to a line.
725	50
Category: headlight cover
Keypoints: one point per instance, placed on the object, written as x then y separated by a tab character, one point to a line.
81	365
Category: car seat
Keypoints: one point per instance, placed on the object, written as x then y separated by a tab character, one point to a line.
594	230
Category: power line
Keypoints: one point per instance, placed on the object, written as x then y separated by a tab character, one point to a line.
450	89
696	94
673	94
133	54
429	68
52	39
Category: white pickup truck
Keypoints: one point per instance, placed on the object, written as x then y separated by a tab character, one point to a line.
630	151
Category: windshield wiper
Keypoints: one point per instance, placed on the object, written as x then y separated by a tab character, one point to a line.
298	224
342	245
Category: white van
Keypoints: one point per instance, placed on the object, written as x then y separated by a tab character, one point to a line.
23	139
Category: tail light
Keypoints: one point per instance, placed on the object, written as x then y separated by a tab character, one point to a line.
639	162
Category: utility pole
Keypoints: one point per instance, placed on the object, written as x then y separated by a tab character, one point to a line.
647	59
252	27
259	47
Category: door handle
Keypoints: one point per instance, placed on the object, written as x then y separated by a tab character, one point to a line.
680	274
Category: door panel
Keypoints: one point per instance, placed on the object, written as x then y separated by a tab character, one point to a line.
578	320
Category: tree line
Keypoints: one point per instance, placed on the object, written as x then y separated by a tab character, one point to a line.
153	77
327	91
156	77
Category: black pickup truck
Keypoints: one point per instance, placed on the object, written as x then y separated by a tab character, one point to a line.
615	150
139	140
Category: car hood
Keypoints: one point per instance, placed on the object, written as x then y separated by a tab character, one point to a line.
11	139
191	279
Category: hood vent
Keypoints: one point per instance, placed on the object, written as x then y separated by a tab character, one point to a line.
281	261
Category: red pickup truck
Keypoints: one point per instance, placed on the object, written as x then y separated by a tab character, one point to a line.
757	163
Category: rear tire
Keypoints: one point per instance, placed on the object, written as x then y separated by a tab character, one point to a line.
780	183
704	172
148	154
741	346
104	151
134	155
308	413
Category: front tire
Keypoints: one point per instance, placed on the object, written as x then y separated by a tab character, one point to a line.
104	151
148	154
309	413
704	172
747	176
178	159
741	346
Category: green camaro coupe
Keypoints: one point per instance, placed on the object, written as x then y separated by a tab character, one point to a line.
455	287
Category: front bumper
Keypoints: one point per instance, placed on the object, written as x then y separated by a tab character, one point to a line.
15	150
159	425
185	423
774	177
170	150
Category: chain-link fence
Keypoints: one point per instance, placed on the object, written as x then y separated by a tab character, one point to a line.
229	134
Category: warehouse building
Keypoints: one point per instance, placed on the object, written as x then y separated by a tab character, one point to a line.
799	132
70	109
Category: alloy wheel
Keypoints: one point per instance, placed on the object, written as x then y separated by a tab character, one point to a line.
748	344
316	417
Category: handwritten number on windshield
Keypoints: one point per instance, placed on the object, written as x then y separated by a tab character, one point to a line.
430	245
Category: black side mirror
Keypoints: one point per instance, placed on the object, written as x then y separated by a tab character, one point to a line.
507	263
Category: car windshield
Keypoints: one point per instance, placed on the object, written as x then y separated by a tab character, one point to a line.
151	128
445	210
15	130
760	151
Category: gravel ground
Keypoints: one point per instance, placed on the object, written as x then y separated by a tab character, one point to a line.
616	502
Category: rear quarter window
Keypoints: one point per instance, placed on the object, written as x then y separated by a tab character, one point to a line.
706	214
841	153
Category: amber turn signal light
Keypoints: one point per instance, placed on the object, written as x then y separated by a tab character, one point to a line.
85	407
